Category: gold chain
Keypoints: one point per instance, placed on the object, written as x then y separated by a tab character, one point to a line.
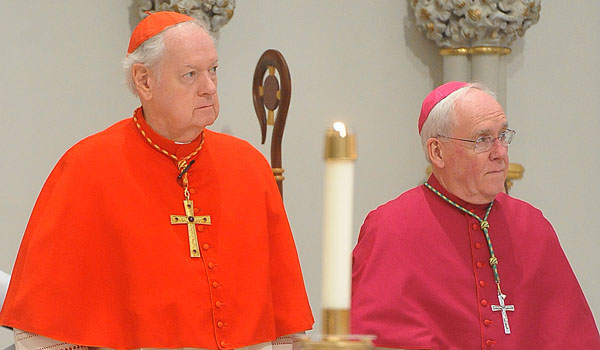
181	163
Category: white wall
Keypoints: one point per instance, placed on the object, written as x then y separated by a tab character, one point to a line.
554	103
359	61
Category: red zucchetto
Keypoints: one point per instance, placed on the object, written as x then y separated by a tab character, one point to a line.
153	24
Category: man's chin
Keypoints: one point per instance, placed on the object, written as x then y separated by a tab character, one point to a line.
205	118
496	189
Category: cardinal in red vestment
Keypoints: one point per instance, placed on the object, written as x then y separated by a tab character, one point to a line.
458	264
156	232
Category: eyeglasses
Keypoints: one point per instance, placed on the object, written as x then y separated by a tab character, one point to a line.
485	143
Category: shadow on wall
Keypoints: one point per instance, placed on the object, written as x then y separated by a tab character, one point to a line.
134	18
424	49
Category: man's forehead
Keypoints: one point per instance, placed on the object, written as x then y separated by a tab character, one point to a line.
193	65
186	42
491	131
479	112
476	102
188	33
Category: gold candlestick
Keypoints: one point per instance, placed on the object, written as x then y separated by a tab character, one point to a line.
336	321
336	342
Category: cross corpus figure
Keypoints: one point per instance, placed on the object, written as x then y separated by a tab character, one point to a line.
503	308
191	221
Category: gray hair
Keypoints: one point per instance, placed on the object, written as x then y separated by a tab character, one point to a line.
441	116
150	52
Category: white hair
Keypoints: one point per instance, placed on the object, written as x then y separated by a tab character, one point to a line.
150	52
440	119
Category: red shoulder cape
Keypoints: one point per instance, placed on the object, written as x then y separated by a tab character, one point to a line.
101	265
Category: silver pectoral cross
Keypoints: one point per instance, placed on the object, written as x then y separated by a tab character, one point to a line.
503	308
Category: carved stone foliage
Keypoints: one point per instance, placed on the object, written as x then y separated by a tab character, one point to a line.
213	13
469	23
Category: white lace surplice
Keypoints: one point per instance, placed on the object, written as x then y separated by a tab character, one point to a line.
29	341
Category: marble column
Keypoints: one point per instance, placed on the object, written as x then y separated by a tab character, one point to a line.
488	66
457	66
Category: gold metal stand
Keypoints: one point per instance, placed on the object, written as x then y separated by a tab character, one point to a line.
336	342
515	172
336	321
336	329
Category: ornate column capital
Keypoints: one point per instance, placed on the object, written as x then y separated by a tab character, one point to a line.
213	13
475	23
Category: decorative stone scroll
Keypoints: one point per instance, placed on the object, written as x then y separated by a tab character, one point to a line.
213	13
472	23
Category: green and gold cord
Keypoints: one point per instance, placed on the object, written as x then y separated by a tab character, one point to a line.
484	227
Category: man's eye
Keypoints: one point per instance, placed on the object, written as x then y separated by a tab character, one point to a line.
190	74
213	69
483	139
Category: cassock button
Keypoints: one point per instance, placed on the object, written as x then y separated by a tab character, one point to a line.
211	265
478	245
205	246
219	304
490	342
223	343
215	284
480	264
196	210
475	227
482	283
192	191
484	302
220	324
487	322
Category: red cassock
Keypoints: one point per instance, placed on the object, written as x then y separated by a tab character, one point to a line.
421	278
100	263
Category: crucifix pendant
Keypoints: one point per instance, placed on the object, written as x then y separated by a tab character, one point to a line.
503	308
191	222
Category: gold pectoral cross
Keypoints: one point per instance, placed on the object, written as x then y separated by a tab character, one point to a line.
191	221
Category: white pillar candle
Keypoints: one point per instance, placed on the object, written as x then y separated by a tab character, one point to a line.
340	154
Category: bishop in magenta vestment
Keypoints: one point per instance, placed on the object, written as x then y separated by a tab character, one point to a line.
421	278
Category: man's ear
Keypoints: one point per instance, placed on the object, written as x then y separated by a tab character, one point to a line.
435	152
141	77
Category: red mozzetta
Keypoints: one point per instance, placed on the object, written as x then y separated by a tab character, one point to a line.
101	265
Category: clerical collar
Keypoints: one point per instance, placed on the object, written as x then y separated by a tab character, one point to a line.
177	149
477	208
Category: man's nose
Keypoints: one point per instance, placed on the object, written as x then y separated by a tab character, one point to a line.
498	149
207	84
